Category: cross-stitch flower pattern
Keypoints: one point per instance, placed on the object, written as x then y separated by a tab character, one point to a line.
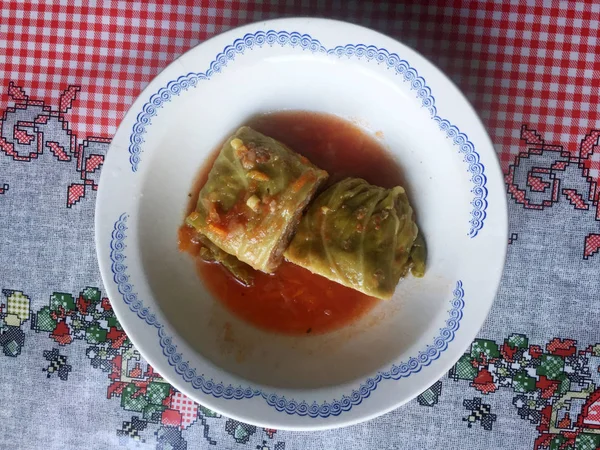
556	387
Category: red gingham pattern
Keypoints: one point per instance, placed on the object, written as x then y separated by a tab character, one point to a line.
537	184
186	407
75	192
576	199
595	166
592	244
531	63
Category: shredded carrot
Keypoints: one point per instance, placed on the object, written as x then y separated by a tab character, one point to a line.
258	175
222	232
301	181
304	159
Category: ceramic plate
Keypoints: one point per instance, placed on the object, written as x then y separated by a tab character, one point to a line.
388	356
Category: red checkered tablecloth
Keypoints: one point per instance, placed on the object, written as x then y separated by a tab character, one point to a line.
517	62
69	378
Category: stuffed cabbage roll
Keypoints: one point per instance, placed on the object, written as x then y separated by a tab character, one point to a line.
254	197
361	236
209	252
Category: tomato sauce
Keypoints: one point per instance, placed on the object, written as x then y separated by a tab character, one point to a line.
293	300
333	144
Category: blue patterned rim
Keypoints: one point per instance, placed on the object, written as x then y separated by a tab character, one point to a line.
378	55
290	406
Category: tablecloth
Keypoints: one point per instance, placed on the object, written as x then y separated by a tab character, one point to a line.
70	378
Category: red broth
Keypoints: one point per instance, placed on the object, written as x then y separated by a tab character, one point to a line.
293	300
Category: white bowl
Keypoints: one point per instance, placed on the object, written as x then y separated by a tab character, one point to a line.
402	346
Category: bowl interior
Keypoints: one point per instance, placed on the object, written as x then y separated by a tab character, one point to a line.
193	124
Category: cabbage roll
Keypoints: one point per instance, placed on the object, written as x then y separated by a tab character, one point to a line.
254	197
209	252
361	236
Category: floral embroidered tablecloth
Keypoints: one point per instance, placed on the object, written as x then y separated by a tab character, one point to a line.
69	376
